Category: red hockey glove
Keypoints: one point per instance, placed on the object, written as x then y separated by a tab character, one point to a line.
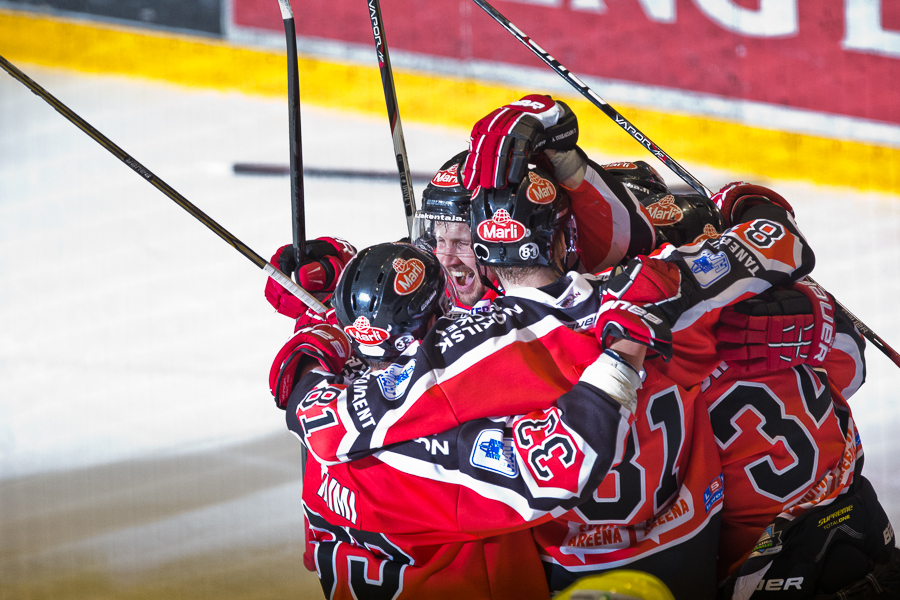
635	302
326	257
786	328
503	141
326	344
311	317
643	324
644	280
735	198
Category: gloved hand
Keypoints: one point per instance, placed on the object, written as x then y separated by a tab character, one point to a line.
326	344
325	259
311	317
735	198
783	328
503	142
635	302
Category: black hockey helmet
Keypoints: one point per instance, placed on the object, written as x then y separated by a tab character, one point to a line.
387	295
639	177
514	226
444	200
682	219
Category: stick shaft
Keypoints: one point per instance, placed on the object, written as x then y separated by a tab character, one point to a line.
653	148
161	185
390	99
596	100
868	333
298	207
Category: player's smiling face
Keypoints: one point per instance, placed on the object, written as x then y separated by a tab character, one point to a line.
453	247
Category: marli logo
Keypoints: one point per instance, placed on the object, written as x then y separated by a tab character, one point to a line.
501	228
364	333
410	275
540	190
709	233
447	178
621	165
665	212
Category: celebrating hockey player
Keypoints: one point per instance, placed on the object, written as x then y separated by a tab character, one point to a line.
383	518
817	481
442	225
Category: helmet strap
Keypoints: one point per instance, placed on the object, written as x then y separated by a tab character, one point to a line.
486	281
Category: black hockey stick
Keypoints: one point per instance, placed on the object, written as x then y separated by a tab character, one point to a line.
653	148
390	98
298	210
162	186
595	99
281	170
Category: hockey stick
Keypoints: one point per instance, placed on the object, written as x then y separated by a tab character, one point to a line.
653	148
280	170
162	186
390	98
868	333
595	99
298	212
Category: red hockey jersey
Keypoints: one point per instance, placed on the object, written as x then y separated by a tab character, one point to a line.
610	226
787	440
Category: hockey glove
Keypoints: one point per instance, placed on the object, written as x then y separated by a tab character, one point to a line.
503	142
643	324
788	327
644	280
325	259
735	198
311	317
326	344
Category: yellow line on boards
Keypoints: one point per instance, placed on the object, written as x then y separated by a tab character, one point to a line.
200	62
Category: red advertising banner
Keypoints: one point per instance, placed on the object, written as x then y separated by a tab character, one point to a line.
832	56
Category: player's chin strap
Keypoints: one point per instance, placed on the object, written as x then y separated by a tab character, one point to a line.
486	281
570	234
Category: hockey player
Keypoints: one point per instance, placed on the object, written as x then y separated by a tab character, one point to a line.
442	225
803	480
572	296
789	447
389	296
607	229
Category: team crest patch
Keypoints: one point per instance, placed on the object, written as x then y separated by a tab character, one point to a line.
364	333
501	228
410	275
708	268
540	190
447	178
665	212
493	452
395	380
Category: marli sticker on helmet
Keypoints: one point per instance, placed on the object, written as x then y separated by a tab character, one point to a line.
501	228
364	333
540	190
621	165
665	212
410	275
447	178
709	233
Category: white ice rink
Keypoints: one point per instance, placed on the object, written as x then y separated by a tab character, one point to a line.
131	333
